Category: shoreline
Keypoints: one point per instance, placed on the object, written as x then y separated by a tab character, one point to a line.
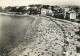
6	14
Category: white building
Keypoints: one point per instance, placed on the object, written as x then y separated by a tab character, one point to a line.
66	9
72	15
43	11
47	12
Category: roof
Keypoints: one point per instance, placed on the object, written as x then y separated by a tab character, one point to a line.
72	11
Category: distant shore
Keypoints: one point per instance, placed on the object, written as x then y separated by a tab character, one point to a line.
13	14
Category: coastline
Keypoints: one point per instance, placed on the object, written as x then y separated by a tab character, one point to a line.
6	14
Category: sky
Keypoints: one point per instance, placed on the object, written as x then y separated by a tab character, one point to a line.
27	2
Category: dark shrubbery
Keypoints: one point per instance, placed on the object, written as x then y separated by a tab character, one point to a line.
59	15
18	10
78	49
78	32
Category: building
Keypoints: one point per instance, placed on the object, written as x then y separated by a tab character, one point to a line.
71	15
49	12
66	9
35	9
43	11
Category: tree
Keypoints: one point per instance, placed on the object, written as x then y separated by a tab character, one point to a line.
78	32
21	9
8	9
0	9
13	9
52	8
76	9
46	6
